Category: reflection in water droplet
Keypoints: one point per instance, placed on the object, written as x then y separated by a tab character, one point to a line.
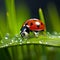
40	42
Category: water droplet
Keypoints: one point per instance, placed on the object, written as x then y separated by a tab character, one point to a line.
28	42
6	37
53	36
46	43
58	36
16	35
40	42
6	45
20	40
55	33
20	43
12	41
48	33
16	41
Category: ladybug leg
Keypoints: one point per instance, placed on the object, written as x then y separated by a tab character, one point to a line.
36	33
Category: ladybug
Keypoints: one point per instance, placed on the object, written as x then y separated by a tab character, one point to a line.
32	25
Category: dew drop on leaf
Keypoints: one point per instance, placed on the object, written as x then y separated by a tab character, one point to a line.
48	33
16	41
28	42
53	36
40	42
6	45
20	43
55	33
46	42
20	40
12	41
7	36
58	36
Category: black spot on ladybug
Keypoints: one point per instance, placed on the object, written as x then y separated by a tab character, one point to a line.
38	26
41	23
26	24
31	24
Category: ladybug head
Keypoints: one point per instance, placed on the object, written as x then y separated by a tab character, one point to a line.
25	31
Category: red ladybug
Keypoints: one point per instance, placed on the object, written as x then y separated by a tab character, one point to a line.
30	25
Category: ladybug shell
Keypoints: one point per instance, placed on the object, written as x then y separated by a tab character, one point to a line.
35	24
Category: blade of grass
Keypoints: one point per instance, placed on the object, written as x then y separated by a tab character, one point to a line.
42	18
11	16
4	54
54	17
32	53
24	49
3	27
22	14
11	20
41	15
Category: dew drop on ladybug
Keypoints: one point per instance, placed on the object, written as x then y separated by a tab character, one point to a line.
32	25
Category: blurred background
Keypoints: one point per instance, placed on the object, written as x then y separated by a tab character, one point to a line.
12	15
21	10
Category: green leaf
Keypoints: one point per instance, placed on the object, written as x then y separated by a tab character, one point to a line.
48	39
